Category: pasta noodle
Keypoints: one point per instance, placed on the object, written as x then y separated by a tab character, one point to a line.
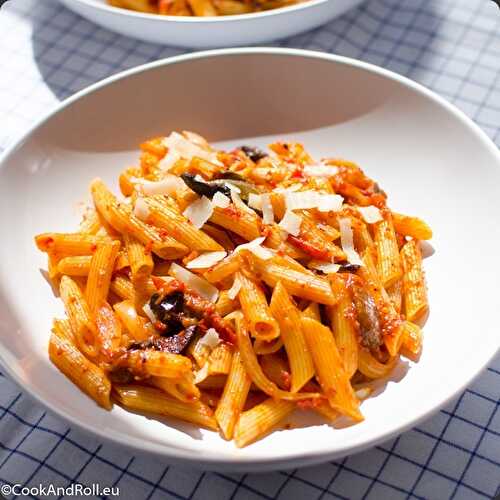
230	289
201	8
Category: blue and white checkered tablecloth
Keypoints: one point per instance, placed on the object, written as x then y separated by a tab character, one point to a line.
453	46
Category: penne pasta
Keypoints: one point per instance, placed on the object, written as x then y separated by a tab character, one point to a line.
411	226
254	370
171	312
90	223
151	400
141	267
233	398
165	216
372	368
100	270
254	305
243	223
182	389
414	289
65	244
304	285
225	304
83	373
157	364
137	326
255	423
263	347
299	358
388	260
79	315
329	367
345	334
120	217
412	339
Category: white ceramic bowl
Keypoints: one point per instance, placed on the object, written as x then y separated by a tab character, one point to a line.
430	158
209	32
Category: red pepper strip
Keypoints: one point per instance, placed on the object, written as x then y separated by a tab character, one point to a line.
314	252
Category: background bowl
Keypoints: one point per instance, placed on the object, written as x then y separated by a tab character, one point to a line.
208	32
431	160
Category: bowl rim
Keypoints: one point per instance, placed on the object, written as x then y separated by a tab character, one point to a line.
104	7
241	462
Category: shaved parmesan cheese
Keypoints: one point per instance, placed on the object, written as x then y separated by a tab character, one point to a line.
255	201
313	199
198	284
302	199
256	242
330	202
319	171
206	260
170	184
220	200
267	209
235	289
261	252
255	246
149	313
232	187
347	241
201	374
238	202
325	267
141	209
196	139
371	214
199	211
169	160
186	149
211	338
291	223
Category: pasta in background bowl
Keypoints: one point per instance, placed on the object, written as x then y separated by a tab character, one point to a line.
202	8
390	126
176	26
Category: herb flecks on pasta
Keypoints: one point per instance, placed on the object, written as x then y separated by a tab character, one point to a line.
229	289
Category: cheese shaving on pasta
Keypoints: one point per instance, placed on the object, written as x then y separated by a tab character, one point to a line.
235	289
186	149
255	201
169	160
291	223
206	260
324	171
371	214
199	211
211	338
301	200
149	313
141	210
255	246
220	200
330	202
267	209
170	184
347	241
325	267
197	283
